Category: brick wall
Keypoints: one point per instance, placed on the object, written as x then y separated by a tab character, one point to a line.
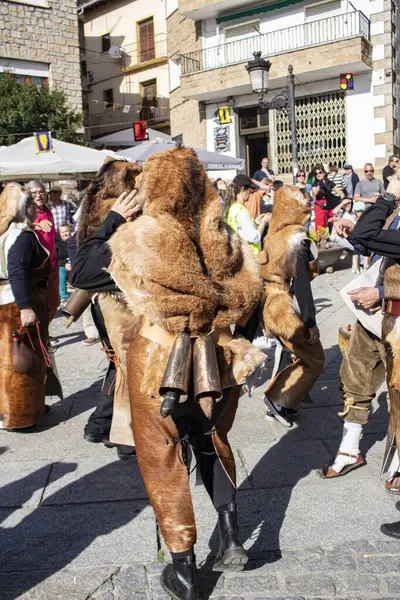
48	35
187	116
383	79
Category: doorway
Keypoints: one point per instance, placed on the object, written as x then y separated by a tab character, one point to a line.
257	147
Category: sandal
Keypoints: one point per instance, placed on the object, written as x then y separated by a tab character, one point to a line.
392	485
329	473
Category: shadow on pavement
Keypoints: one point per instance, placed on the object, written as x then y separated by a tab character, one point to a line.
261	518
54	534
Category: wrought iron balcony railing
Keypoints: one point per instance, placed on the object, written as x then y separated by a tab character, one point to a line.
331	29
148	49
109	120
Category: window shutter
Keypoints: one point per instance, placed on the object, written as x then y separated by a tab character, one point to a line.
242	31
323	10
146	36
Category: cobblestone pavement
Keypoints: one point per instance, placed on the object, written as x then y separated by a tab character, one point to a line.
77	525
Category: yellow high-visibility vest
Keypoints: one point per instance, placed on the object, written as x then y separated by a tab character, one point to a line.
231	219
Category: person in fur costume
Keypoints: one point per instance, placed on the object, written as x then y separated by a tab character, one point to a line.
372	232
24	273
188	277
105	207
288	311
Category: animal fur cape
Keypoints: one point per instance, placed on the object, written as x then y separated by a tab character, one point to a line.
179	264
279	260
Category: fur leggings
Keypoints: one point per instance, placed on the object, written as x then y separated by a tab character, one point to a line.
162	449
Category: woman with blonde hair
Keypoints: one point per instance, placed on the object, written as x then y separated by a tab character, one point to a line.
24	273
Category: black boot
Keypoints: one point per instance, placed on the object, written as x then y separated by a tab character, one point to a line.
179	580
391	529
231	555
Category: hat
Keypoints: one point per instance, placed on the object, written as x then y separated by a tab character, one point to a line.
348	167
243	180
56	188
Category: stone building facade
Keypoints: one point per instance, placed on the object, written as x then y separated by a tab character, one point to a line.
187	116
39	42
384	38
210	42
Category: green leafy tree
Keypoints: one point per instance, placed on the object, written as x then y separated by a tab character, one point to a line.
25	108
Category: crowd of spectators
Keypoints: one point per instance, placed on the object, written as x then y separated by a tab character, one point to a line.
336	192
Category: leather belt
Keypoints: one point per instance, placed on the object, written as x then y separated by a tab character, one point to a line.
158	334
392	307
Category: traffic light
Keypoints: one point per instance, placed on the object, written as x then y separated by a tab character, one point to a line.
140	131
346	81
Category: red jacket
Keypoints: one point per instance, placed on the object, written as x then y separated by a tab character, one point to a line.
47	238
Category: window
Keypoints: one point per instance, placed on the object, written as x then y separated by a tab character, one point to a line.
105	42
253	119
149	90
146	40
108	97
35	73
242	31
149	99
323	10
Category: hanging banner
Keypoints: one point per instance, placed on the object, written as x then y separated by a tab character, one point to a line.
224	115
43	142
140	131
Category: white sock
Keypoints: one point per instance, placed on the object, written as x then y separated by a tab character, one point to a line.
352	434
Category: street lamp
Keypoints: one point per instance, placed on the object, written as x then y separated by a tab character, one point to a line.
258	70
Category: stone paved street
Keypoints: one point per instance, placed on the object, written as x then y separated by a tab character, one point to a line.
77	525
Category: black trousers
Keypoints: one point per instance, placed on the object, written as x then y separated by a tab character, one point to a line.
100	420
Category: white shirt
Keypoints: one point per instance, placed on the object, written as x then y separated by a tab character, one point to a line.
246	228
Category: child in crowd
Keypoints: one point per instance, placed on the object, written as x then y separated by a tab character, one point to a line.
64	266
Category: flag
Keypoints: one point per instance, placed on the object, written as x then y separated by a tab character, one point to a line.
140	131
224	115
43	142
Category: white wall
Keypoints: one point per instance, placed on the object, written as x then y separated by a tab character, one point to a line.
211	126
360	123
213	34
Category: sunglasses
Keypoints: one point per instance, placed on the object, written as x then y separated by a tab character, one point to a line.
319	173
369	171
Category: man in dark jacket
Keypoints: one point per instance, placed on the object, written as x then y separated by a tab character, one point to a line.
351	179
389	170
89	273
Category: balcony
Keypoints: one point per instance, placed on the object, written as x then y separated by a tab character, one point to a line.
151	51
332	29
109	120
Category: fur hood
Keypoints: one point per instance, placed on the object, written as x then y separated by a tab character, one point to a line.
179	264
113	178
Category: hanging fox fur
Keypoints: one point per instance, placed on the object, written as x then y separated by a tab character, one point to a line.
179	264
279	260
